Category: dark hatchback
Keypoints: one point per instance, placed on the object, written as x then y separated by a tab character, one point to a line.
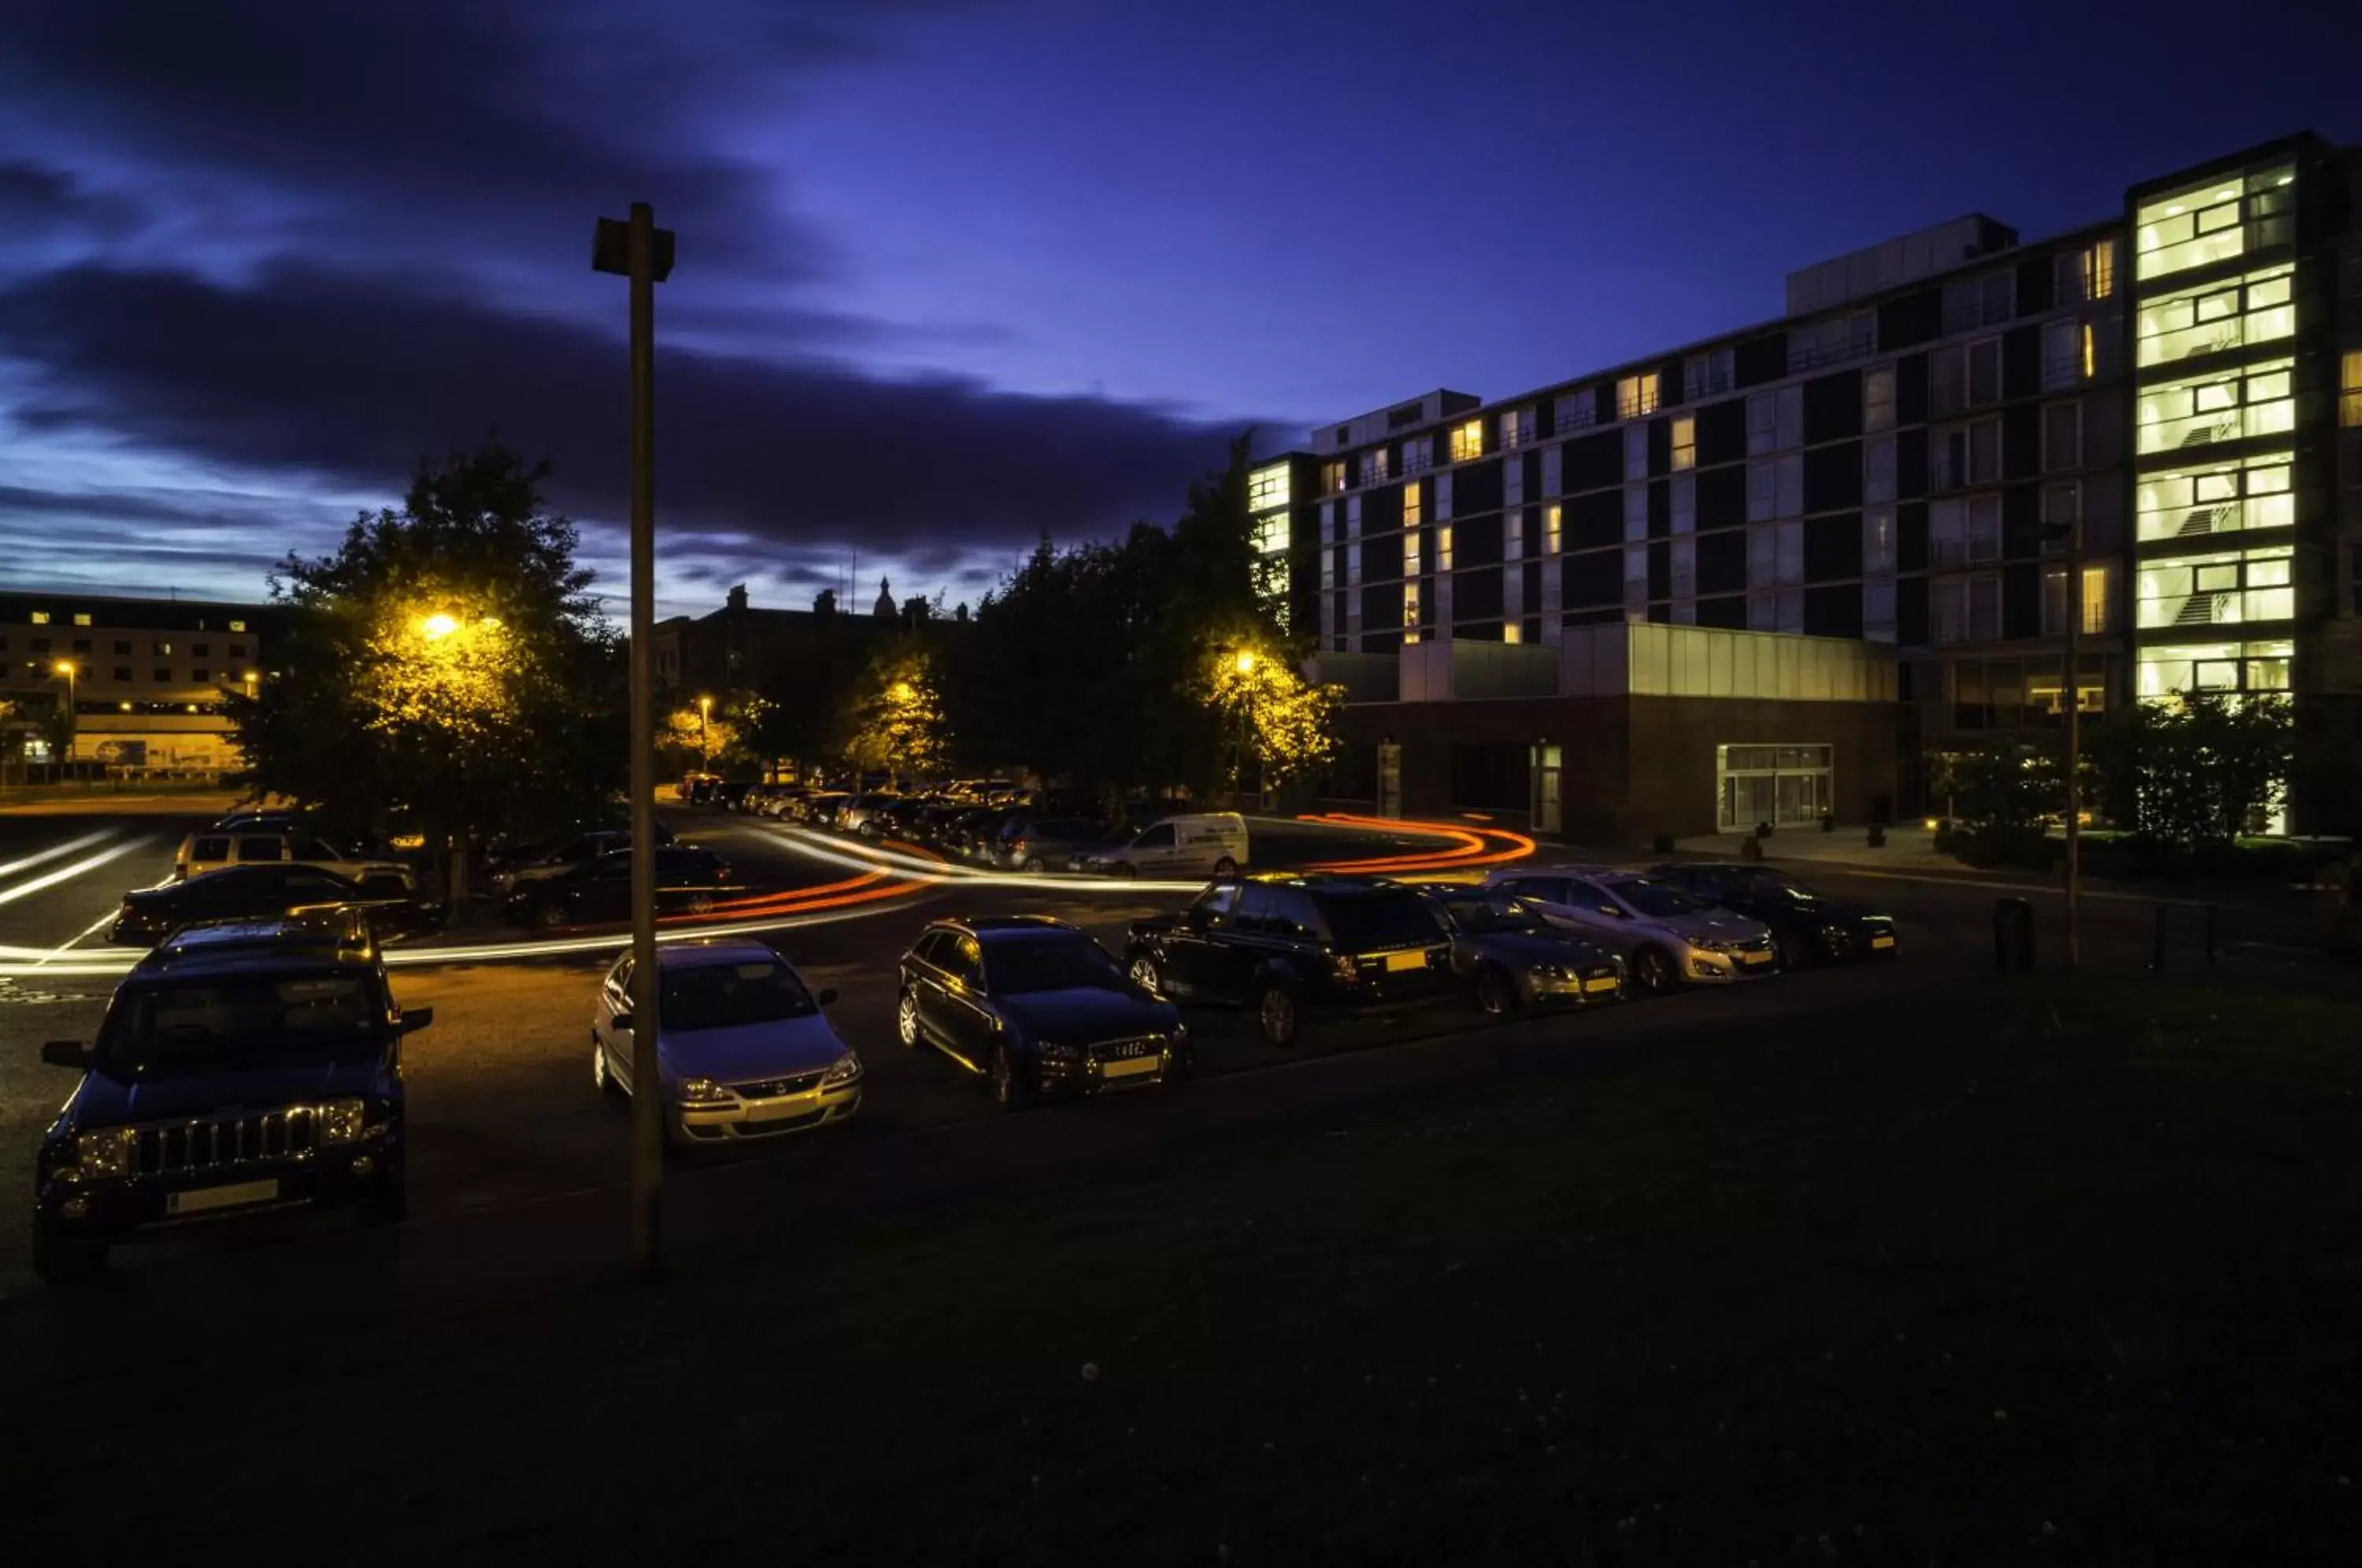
1805	927
1038	1008
244	1068
1510	958
262	892
1288	946
688	881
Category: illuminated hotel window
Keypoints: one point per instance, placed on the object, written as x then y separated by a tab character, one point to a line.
2229	405
237	625
1550	530
2216	667
83	619
2349	399
1443	548
1411	504
1266	489
1332	482
2208	591
1467	441
40	617
1636	395
1685	441
2240	314
1512	632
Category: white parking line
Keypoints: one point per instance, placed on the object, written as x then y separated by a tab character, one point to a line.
67	847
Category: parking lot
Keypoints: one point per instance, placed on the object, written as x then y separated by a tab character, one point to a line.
502	1110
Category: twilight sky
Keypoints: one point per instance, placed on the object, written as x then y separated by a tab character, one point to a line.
951	274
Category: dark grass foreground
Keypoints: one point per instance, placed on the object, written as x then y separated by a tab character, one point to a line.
2003	1277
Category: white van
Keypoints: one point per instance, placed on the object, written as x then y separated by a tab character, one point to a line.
215	848
1212	844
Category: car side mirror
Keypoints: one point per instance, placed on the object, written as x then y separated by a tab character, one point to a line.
416	1018
826	998
67	1054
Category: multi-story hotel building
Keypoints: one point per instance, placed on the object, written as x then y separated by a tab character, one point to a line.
144	677
1773	574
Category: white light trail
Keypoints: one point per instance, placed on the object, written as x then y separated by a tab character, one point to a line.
68	873
943	874
55	850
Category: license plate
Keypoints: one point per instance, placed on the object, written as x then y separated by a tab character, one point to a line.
1881	942
1606	983
1396	962
1755	957
1130	1066
199	1199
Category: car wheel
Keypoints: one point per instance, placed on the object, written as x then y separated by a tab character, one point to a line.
700	904
868	829
1275	1014
388	1202
1225	869
1652	971
1009	1090
1146	975
1035	862
906	1019
549	917
61	1263
1496	993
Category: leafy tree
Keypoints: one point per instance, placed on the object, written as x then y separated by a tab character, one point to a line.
2194	770
896	724
445	670
692	736
1287	728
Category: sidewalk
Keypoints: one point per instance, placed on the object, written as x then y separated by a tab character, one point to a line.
1909	847
115	800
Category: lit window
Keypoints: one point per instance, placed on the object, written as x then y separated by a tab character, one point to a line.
1410	555
1443	548
2091	352
40	617
1410	495
1550	530
2349	401
1684	442
1512	632
237	625
163	648
1266	489
1636	395
1410	612
1332	482
82	618
1467	441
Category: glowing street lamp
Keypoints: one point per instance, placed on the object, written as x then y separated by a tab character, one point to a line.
437	626
1246	663
65	669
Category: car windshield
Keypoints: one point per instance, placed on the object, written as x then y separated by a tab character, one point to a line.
1652	897
727	996
1480	918
1055	961
245	1020
1379	920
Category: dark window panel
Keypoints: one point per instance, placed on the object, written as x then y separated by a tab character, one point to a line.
1910	463
1477	542
1833	477
1593	461
2021	521
1833	612
1911	390
1760	360
1592	578
1594	519
1530	585
1477	595
2021	600
1722	432
2021	362
1911	536
1729	611
1381	608
1382	557
1722	562
1722	496
1602	403
2021	441
1833	547
2034	279
1660	571
1670	376
1833	407
1477	487
1661	612
1660	509
1661	447
1533	475
1382	509
1911	319
1911	611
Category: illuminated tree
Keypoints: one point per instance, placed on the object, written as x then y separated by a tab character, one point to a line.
1282	723
446	671
896	724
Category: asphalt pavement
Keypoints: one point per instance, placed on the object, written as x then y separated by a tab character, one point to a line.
504	1117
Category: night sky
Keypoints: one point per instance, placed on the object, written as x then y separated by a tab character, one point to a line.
953	275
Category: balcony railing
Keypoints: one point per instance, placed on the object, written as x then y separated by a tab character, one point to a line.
2218	336
2217	607
2215	425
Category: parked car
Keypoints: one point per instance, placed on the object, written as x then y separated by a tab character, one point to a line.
688	881
1511	959
566	845
822	809
149	915
698	787
259	819
564	857
1293	945
744	1048
209	851
1806	928
1027	843
242	1067
1210	843
1037	1007
1668	938
865	814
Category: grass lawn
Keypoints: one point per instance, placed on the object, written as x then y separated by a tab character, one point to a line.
1999	1277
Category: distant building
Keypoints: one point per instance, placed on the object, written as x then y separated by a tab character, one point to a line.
743	647
146	679
1763	576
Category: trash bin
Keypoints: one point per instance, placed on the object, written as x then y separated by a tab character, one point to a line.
2012	935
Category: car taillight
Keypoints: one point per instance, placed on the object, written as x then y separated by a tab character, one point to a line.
721	872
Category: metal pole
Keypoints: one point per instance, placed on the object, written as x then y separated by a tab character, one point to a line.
647	1094
2074	686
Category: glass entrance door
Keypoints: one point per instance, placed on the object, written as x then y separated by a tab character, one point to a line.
1787	786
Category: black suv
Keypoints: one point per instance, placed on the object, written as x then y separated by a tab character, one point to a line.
689	880
1289	944
244	1066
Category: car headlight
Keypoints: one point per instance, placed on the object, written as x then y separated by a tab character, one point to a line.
701	1091
1710	945
843	1070
107	1154
1061	1052
1553	971
340	1121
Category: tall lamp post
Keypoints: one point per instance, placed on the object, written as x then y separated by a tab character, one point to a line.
65	666
2073	686
704	750
637	249
1244	663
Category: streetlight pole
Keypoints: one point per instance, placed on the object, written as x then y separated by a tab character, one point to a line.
65	666
704	749
642	253
2074	686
